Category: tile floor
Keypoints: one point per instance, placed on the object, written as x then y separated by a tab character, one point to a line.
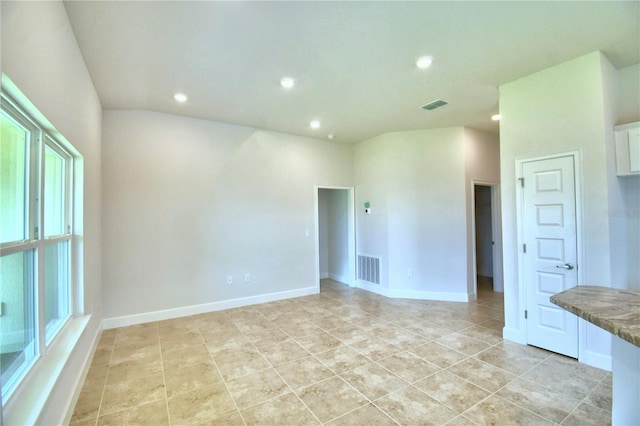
342	357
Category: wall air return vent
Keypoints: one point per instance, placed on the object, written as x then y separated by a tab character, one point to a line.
435	104
369	269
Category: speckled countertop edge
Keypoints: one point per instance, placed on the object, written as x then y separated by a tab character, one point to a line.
616	311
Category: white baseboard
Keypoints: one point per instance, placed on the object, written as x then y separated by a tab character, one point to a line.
413	294
514	335
126	320
324	275
597	360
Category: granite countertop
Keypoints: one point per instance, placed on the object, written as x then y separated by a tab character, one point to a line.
617	311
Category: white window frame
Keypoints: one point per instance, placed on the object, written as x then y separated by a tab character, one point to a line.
34	241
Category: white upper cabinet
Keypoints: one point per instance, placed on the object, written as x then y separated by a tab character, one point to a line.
628	149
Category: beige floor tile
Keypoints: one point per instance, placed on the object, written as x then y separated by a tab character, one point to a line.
497	411
239	362
319	342
129	353
481	374
281	352
331	398
461	421
152	414
190	378
372	380
256	388
514	358
408	366
181	340
304	372
375	348
232	418
463	343
134	368
367	415
206	404
588	415
565	374
541	400
130	393
286	409
411	406
483	334
437	354
342	359
451	390
349	334
399	337
184	357
88	403
601	397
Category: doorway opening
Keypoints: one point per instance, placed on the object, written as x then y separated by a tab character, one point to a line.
335	235
487	240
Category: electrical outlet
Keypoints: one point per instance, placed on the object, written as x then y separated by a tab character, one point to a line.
247	277
229	279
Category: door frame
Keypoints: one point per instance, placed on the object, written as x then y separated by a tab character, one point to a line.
351	232
579	203
496	235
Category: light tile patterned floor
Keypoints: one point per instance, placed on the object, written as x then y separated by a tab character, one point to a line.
343	357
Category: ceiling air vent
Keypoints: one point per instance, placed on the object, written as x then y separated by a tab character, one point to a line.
435	104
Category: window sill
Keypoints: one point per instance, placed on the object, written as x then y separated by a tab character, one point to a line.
27	401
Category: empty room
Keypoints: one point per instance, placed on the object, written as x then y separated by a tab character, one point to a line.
310	212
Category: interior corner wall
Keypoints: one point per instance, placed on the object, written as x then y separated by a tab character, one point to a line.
557	110
338	247
415	184
323	232
482	164
189	202
40	55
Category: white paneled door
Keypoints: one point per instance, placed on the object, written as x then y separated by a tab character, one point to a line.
549	251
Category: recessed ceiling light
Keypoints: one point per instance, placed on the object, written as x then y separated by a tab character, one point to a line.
287	82
495	117
424	62
180	97
331	136
315	124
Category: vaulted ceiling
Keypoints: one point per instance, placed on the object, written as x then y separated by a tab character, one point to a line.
353	63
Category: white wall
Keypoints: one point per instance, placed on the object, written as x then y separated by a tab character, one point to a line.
482	164
188	202
558	110
415	182
40	55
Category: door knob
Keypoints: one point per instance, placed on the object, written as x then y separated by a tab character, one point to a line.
568	266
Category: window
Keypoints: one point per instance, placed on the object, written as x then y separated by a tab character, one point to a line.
35	241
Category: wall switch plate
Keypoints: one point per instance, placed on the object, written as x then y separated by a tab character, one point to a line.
247	278
229	279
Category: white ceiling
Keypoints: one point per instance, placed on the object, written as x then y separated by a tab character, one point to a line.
353	62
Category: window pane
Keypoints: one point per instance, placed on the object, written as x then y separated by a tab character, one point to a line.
13	168
56	286
17	322
54	193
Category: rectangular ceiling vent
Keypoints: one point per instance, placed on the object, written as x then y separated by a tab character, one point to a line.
435	104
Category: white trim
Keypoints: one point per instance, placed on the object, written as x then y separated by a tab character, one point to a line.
415	294
324	275
127	320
